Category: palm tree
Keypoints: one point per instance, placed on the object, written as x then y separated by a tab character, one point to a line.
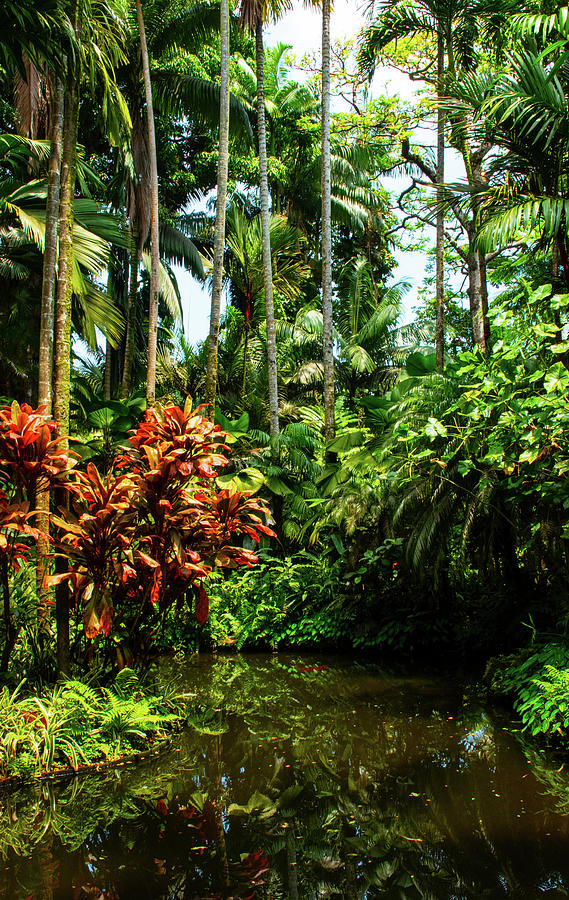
172	34
40	33
371	347
154	214
525	112
219	241
45	367
295	185
326	248
245	267
33	48
64	291
98	31
23	215
253	14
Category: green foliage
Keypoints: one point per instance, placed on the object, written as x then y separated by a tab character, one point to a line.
307	600
539	686
75	724
282	603
33	656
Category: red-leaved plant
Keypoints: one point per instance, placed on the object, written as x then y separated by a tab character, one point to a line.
93	538
32	460
14	528
140	541
30	453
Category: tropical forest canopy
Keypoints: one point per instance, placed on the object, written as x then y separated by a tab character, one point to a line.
377	478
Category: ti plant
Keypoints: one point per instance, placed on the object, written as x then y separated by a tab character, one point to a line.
32	460
30	453
14	526
144	538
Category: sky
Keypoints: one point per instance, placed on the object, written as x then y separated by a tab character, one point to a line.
301	27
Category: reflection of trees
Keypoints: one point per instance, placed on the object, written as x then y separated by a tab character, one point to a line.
334	782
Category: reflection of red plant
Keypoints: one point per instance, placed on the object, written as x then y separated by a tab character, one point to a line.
253	867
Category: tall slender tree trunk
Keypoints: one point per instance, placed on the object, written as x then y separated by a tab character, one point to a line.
327	328
107	383
476	261
219	241
291	863
63	302
478	295
50	249
65	263
154	220
440	246
47	321
266	234
126	384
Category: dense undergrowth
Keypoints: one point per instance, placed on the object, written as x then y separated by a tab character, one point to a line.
74	725
380	608
536	682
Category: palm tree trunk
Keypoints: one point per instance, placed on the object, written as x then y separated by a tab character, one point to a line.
65	263
219	241
50	250
266	235
107	384
154	220
46	325
327	330
440	247
130	318
63	301
478	296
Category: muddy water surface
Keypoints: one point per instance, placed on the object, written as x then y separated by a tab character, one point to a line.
303	777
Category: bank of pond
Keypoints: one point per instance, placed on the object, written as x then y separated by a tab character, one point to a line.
300	776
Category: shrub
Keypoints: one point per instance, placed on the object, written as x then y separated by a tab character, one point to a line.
74	723
539	686
145	538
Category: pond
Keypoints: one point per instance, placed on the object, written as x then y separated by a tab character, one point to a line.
303	777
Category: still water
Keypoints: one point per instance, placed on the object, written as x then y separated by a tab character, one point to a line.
303	777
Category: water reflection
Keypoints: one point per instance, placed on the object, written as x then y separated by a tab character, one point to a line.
303	778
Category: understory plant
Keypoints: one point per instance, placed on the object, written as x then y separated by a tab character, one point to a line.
135	542
537	681
74	724
308	600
